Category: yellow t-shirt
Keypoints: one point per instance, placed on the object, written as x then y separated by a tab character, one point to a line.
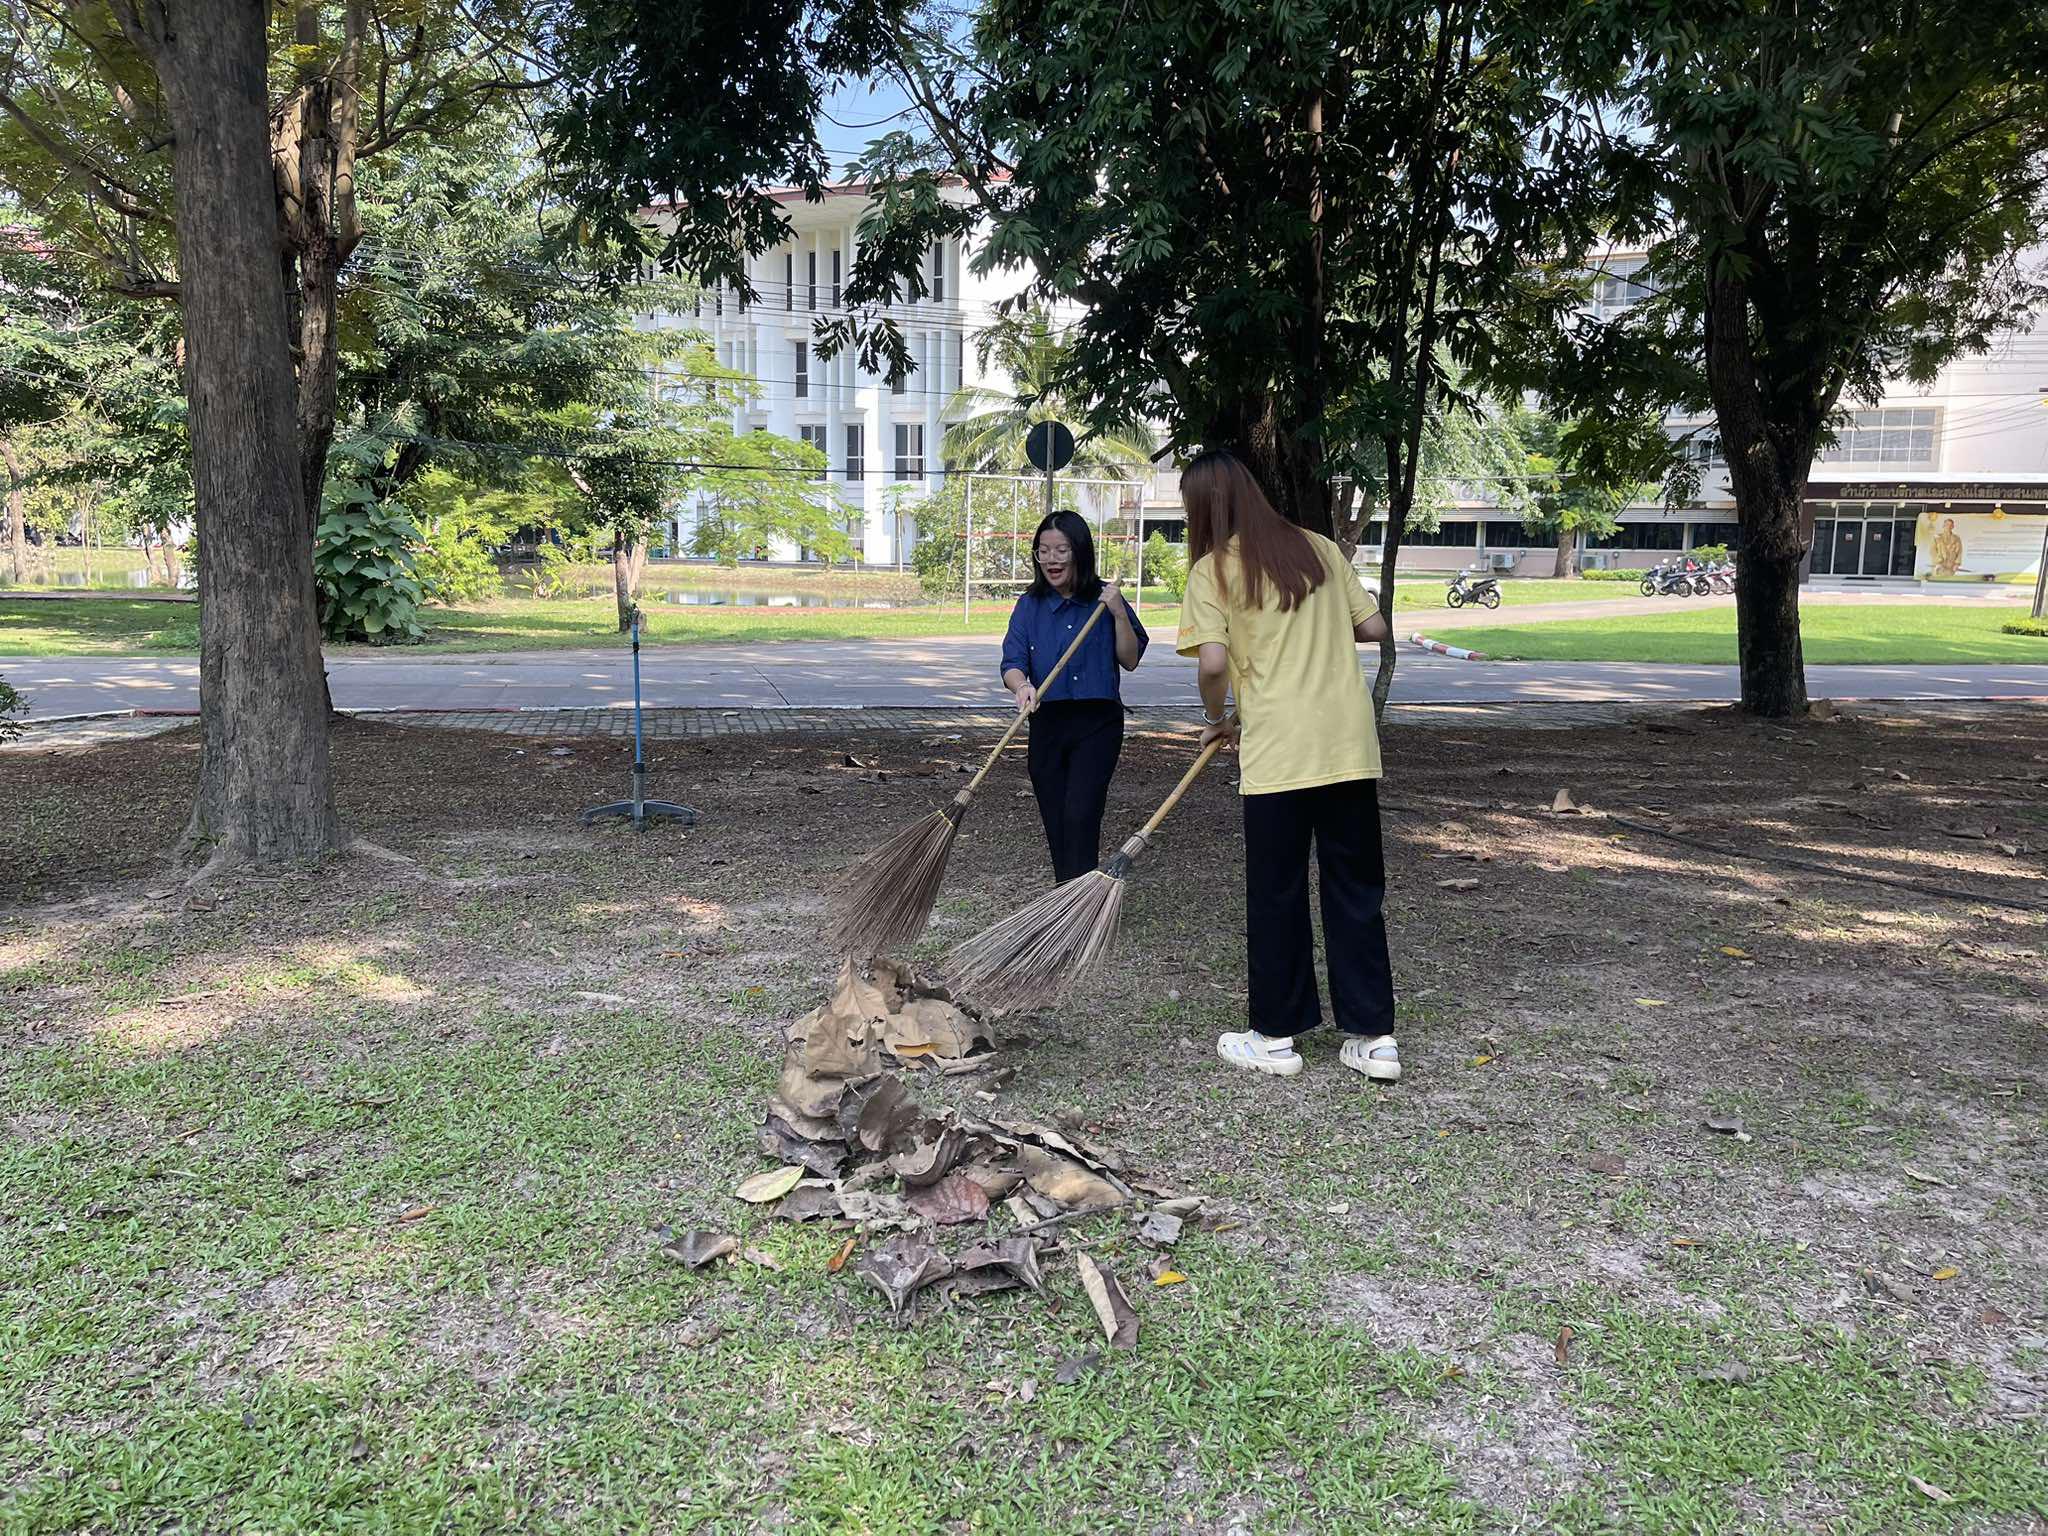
1302	699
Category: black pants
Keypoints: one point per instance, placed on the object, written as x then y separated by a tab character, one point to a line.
1074	748
1342	821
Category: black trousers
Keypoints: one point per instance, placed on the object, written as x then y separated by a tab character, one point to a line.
1074	748
1342	823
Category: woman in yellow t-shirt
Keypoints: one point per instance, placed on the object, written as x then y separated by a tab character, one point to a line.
1275	615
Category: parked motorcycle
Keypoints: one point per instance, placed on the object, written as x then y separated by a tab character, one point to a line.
1483	592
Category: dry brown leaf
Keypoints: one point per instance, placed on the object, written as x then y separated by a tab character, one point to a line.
415	1212
695	1249
1457	885
809	1202
782	1141
1918	1177
768	1185
1928	1490
1607	1163
1563	802
928	1161
761	1260
1112	1308
902	1267
1564	1342
953	1200
1065	1182
838	1260
1017	1255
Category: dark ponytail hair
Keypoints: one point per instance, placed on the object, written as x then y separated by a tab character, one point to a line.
1081	539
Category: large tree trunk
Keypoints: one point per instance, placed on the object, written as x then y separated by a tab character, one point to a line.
17	510
1768	458
1567	551
266	792
1287	464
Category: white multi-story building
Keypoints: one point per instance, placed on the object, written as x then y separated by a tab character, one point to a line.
877	433
1943	484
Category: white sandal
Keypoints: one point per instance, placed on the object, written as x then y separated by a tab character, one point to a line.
1256	1053
1378	1057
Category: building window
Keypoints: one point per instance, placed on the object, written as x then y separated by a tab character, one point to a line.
898	384
810	280
1701	448
1901	435
909	451
718	301
856	453
1448	535
1500	535
1717	533
1666	535
1620	286
835	279
939	273
803	370
813	435
788	281
1864	539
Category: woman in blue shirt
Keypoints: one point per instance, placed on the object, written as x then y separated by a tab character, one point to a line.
1077	733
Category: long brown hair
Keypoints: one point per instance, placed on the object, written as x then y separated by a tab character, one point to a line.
1223	502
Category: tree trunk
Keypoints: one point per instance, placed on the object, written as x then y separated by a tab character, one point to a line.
266	792
1567	551
629	559
1287	465
1768	458
17	510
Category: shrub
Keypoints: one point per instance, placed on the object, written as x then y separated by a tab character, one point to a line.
454	566
2035	627
12	707
1622	574
1167	564
363	563
1710	552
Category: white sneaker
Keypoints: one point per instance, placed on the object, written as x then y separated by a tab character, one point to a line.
1378	1057
1256	1053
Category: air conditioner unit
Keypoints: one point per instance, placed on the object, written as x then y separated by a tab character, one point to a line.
1503	561
1597	560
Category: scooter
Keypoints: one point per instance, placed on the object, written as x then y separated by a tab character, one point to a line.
1484	592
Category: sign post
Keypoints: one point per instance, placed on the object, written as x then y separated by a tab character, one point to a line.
1050	447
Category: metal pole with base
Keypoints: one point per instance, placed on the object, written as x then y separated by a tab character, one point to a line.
640	810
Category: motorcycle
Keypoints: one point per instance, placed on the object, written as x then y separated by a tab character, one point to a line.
1484	592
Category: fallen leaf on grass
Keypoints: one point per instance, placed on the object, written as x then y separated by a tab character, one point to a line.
1607	1163
1564	1342
1733	953
1064	1182
1946	1272
1919	1177
1563	802
761	1260
770	1184
783	1142
1885	1286
875	1210
1652	1002
953	1200
1159	1228
1457	885
1685	1242
838	1260
1734	1373
927	1162
1017	1255
415	1212
1169	1277
1112	1308
1074	1367
811	1202
1928	1490
1480	1061
695	1249
1728	1125
902	1267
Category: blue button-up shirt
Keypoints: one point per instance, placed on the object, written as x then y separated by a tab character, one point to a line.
1042	627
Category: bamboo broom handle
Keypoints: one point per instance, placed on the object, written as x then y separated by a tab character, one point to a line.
1136	845
1066	656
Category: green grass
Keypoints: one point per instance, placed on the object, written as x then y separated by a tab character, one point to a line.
113	626
1833	634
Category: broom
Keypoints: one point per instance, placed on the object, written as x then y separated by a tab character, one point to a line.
882	903
1032	957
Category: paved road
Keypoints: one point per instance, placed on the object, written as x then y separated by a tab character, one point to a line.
908	673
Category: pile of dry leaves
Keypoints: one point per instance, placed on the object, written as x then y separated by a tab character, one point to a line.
853	1146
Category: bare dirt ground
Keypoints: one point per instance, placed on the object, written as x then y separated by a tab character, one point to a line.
1712	1199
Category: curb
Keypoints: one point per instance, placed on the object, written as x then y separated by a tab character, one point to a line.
1455	652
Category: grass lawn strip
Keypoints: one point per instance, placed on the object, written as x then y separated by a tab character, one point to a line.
331	1199
1899	634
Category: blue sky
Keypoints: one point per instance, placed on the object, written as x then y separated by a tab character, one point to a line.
867	105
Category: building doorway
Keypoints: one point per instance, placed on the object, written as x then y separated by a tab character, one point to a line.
1864	543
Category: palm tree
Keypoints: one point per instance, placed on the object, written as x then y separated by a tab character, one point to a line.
988	427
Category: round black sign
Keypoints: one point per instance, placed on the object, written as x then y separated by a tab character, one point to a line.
1050	446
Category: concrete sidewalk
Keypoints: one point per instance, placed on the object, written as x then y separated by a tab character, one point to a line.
946	672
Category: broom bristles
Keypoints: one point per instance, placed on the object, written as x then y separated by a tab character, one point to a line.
882	903
1032	957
